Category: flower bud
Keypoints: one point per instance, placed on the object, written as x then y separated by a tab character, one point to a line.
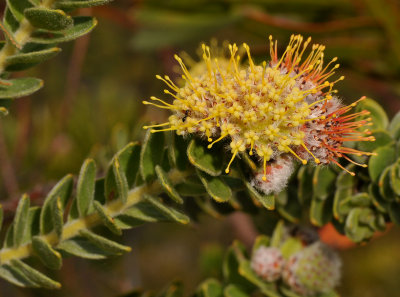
268	263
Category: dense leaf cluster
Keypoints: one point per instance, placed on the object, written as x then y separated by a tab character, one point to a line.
32	30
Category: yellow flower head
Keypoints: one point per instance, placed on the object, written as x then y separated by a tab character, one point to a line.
268	109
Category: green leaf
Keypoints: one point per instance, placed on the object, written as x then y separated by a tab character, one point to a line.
340	195
378	114
394	127
378	201
63	190
234	291
278	235
353	229
323	182
177	147
20	220
22	61
17	8
70	5
384	157
129	160
168	212
107	220
81	247
151	154
20	87
210	288
44	251
384	183
207	160
320	211
190	189
85	187
215	187
267	201
82	25
57	216
121	183
305	183
394	212
167	185
48	19
35	276
104	243
33	223
12	276
395	178
11	24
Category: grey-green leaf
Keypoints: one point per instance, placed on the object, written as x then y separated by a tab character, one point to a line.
104	243
68	5
208	160
63	190
215	187
268	201
48	19
106	219
151	154
22	61
34	275
20	220
20	87
44	251
85	187
82	25
167	185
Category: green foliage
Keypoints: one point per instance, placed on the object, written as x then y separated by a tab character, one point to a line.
29	28
357	205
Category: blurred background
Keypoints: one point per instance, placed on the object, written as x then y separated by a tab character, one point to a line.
91	106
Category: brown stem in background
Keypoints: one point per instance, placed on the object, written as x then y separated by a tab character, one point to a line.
7	170
75	70
243	228
285	23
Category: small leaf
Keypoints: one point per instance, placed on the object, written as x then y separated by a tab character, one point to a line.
395	178
323	182
167	185
394	212
22	61
82	25
122	187
34	275
278	235
57	216
169	213
106	219
151	154
378	201
104	243
210	288
81	247
320	211
69	5
234	291
267	201
207	160
190	189
215	187
177	148
353	229
378	114
394	126
340	195
63	190
17	8
20	220
48	19
385	156
12	276
384	183
85	187
20	87
44	251
129	159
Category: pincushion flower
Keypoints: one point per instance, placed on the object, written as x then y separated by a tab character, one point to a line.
284	107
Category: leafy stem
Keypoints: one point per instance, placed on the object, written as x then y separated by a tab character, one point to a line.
113	209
